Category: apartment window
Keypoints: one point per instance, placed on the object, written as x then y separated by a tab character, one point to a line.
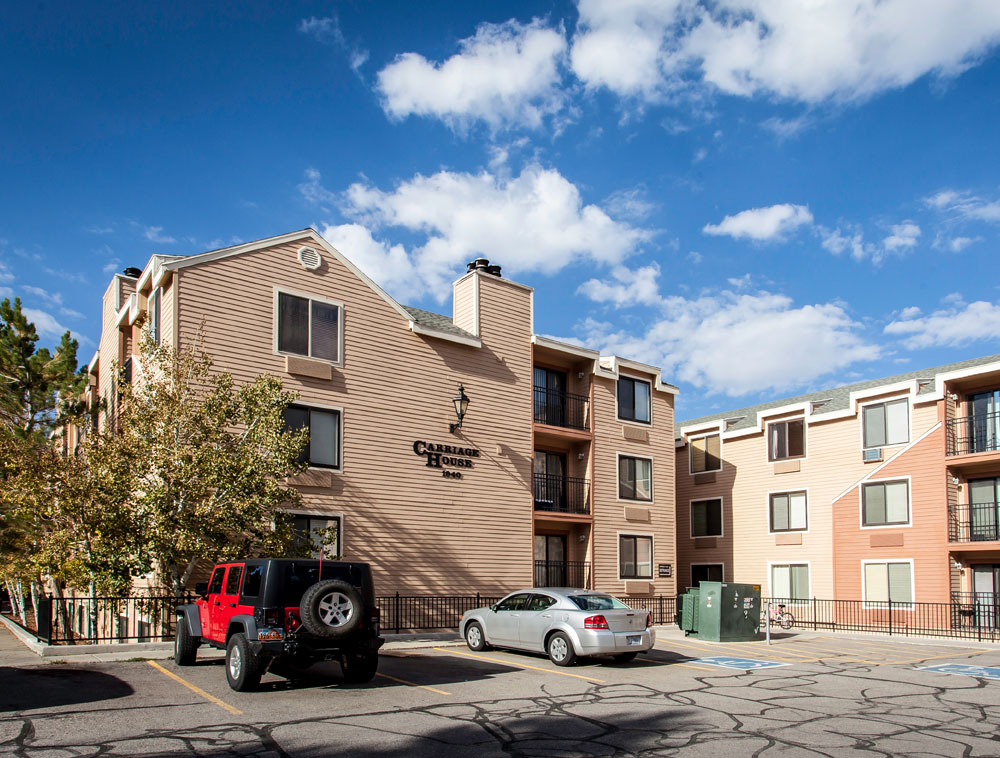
885	503
635	478
790	582
323	448
705	454
635	557
633	399
308	327
789	512
706	518
706	572
886	423
885	581
319	534
786	439
155	303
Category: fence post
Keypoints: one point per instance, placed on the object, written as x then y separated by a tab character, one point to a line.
890	616
45	619
395	613
979	626
814	613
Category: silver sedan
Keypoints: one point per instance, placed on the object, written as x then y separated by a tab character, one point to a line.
564	623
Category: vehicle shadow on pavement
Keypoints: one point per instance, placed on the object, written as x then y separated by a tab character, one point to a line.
26	689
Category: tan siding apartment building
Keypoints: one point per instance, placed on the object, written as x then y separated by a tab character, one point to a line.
882	490
561	472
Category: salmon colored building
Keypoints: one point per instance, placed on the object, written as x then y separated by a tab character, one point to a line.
882	490
560	474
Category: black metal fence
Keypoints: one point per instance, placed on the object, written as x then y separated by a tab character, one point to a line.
973	434
973	522
564	409
418	612
562	573
561	494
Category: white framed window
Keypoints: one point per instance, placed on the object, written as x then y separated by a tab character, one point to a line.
705	454
308	326
325	425
635	556
887	579
886	423
155	308
786	439
706	517
788	511
324	533
790	582
885	503
635	478
633	399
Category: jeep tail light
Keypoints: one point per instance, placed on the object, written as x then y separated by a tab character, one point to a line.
595	622
376	615
293	621
272	617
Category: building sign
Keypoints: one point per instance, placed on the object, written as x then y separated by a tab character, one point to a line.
446	457
664	569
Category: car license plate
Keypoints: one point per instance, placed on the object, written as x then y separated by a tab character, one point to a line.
634	639
270	634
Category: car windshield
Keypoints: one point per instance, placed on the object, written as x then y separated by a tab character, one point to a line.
598	603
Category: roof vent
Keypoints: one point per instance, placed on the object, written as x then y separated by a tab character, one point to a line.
132	272
310	258
483	264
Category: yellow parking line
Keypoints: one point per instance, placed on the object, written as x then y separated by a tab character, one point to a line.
195	689
413	684
519	665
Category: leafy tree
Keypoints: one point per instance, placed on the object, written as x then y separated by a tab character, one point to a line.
207	459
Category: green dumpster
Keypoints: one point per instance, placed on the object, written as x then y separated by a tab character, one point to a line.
728	612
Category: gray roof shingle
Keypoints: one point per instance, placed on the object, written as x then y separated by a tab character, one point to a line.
436	321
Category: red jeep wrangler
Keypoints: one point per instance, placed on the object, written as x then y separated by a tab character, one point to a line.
268	611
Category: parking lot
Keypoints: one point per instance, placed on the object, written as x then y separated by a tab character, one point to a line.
807	694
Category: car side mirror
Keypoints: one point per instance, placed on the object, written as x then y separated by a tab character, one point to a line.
201	589
494	607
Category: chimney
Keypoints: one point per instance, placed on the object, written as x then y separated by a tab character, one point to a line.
483	264
132	272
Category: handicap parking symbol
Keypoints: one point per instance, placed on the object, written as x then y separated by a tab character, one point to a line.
745	664
964	669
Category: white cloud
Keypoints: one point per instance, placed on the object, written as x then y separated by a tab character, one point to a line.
786	128
627	287
844	50
314	192
52	298
761	224
740	343
45	323
327	31
154	234
695	257
631	204
959	324
389	265
5	276
902	237
535	221
955	244
964	205
836	241
506	75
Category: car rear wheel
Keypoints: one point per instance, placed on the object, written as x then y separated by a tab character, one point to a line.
475	638
185	647
331	609
560	650
242	666
359	668
624	657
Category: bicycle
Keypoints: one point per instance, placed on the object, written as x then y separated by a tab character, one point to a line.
779	617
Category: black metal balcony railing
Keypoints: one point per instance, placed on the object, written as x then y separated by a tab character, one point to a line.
557	408
562	494
973	522
562	574
973	434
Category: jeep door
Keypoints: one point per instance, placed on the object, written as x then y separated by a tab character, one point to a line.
229	598
210	606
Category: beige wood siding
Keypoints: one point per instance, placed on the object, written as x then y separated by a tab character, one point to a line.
465	311
421	531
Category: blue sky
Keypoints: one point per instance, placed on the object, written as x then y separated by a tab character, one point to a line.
763	198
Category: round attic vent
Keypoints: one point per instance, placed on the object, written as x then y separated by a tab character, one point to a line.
310	258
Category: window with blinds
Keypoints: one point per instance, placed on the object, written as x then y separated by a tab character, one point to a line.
886	423
885	503
309	327
889	580
789	512
790	582
706	454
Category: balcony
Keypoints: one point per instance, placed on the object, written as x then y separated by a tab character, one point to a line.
562	494
973	434
562	574
555	408
975	522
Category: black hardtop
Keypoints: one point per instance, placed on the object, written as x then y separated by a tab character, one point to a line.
283	580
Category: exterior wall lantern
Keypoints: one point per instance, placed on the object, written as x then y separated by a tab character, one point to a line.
461	402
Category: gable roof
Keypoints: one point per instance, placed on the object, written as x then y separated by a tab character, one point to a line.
837	398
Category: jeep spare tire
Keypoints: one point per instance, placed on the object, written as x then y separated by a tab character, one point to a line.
331	609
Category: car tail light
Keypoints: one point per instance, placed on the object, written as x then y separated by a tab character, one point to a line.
649	620
293	621
376	615
272	617
595	622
